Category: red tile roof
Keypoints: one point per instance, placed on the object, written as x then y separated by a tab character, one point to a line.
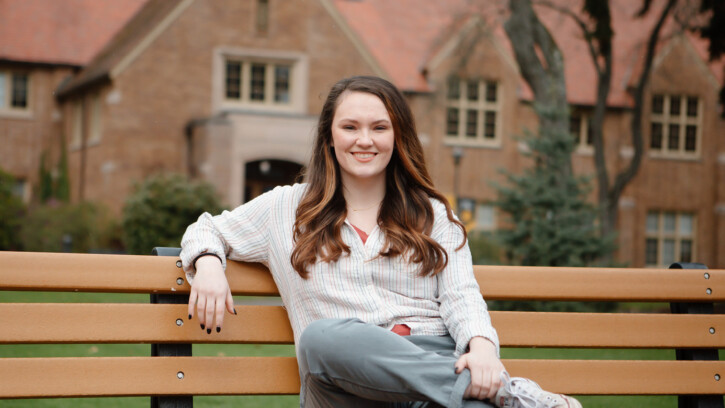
122	43
60	31
402	34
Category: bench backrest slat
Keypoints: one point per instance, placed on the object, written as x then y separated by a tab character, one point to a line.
117	273
146	323
150	274
106	376
595	284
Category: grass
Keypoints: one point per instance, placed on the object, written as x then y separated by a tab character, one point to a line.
102	350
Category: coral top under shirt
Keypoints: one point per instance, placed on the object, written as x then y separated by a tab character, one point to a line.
400	329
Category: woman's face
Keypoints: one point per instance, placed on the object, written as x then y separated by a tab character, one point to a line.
363	137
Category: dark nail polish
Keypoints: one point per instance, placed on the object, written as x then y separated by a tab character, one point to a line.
218	329
202	326
208	331
189	317
235	311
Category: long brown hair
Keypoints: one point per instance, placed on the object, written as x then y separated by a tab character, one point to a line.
406	213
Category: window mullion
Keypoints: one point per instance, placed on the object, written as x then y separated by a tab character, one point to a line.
246	82
677	238
660	238
269	84
463	108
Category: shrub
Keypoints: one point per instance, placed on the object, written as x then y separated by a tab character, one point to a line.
12	210
87	225
485	249
159	210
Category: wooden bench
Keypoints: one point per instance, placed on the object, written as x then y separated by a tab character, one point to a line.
693	330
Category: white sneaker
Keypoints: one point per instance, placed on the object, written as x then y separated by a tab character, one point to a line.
523	393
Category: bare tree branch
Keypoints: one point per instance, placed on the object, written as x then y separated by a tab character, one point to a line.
636	125
588	34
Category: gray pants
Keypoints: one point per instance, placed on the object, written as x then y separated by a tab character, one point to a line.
348	363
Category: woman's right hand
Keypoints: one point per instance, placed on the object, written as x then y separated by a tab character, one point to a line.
210	293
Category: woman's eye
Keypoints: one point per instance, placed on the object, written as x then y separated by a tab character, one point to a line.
348	127
381	128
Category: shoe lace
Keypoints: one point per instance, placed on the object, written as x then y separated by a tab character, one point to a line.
527	393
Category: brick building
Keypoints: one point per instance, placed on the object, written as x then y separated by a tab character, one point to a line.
43	43
229	91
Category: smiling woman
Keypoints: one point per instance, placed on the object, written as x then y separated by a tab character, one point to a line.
371	264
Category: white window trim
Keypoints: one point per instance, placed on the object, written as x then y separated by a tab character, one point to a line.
683	120
481	106
299	74
6	110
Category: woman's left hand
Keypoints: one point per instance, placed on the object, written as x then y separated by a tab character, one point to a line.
485	368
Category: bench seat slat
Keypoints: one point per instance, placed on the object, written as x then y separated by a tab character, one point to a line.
128	376
147	323
138	376
597	377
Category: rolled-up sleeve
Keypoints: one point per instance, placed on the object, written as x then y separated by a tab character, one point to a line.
241	234
461	305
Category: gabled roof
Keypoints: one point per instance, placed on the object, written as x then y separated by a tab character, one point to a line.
67	32
123	43
400	34
403	34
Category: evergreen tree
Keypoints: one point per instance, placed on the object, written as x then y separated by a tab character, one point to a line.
552	222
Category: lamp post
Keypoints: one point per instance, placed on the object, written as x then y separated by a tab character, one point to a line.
457	153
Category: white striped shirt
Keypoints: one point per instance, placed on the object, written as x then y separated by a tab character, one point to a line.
379	290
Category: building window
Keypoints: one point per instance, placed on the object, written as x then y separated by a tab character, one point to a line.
676	125
14	90
258	83
77	123
234	80
580	128
476	216
473	113
94	127
262	22
485	217
670	238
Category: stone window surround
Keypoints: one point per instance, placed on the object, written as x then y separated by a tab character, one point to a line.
299	79
482	105
6	110
666	119
676	236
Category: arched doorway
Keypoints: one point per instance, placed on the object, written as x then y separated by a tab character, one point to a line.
264	175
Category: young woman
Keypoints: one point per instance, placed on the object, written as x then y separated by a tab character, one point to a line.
372	267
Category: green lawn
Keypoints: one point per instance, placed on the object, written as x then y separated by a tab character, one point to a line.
80	350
